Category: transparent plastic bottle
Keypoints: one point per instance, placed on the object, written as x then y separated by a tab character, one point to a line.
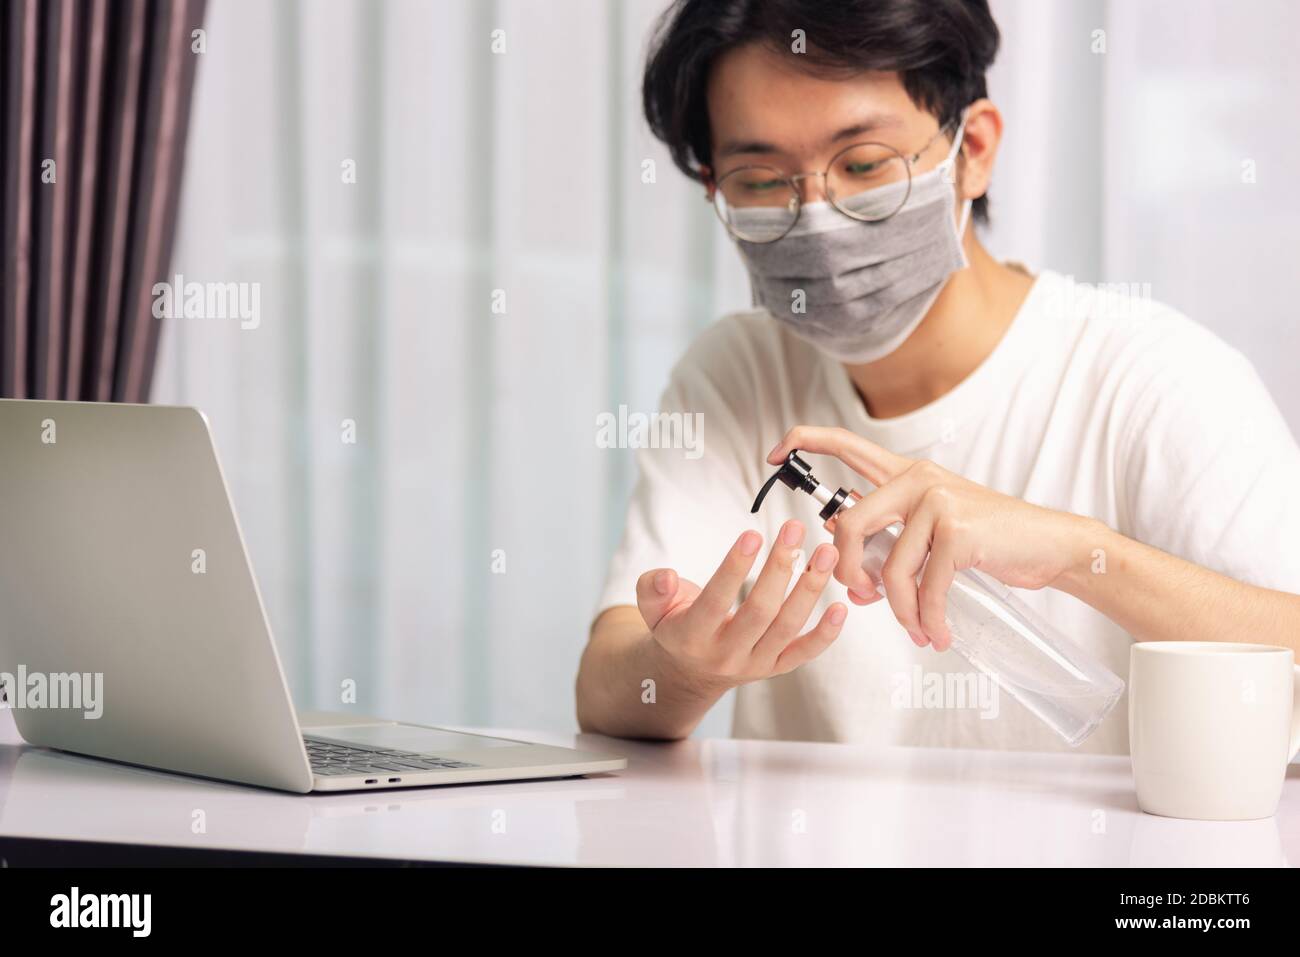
1067	688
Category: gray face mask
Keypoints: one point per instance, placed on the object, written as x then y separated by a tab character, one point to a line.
865	286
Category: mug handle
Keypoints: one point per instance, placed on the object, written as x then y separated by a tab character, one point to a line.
1295	718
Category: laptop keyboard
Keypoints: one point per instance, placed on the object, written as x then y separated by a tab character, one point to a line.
331	758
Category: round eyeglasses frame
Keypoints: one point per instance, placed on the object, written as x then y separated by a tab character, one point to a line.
794	180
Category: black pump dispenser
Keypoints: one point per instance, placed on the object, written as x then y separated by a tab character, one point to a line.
797	474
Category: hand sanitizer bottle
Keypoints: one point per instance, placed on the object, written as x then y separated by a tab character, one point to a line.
996	632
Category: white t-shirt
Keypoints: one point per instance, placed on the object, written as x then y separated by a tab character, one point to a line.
1094	403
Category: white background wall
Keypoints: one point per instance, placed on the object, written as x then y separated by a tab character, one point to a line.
522	172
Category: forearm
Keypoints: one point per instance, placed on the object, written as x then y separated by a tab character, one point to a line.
628	687
1155	596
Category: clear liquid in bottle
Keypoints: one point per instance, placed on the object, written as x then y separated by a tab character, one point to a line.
1002	637
1068	689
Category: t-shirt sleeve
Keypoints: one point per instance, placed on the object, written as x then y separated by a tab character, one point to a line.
1212	472
689	505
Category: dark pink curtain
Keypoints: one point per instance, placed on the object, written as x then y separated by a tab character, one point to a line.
94	106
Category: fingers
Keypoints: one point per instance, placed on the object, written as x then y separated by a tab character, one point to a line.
807	647
899	575
868	599
932	595
853	527
848	569
765	599
797	606
655	591
708	612
879	465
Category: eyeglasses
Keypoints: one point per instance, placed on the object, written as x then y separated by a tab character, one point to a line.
760	204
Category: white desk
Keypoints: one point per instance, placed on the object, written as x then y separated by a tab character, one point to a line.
712	802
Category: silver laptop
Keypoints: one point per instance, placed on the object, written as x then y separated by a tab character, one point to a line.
131	627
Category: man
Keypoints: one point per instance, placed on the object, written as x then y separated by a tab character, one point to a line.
1105	453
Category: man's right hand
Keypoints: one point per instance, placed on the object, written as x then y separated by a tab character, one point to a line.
717	649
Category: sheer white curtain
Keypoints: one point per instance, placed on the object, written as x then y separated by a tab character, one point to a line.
460	258
498	274
1163	155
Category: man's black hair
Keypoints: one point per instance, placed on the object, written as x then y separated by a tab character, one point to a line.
940	49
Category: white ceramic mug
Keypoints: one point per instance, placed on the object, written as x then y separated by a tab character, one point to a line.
1212	726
